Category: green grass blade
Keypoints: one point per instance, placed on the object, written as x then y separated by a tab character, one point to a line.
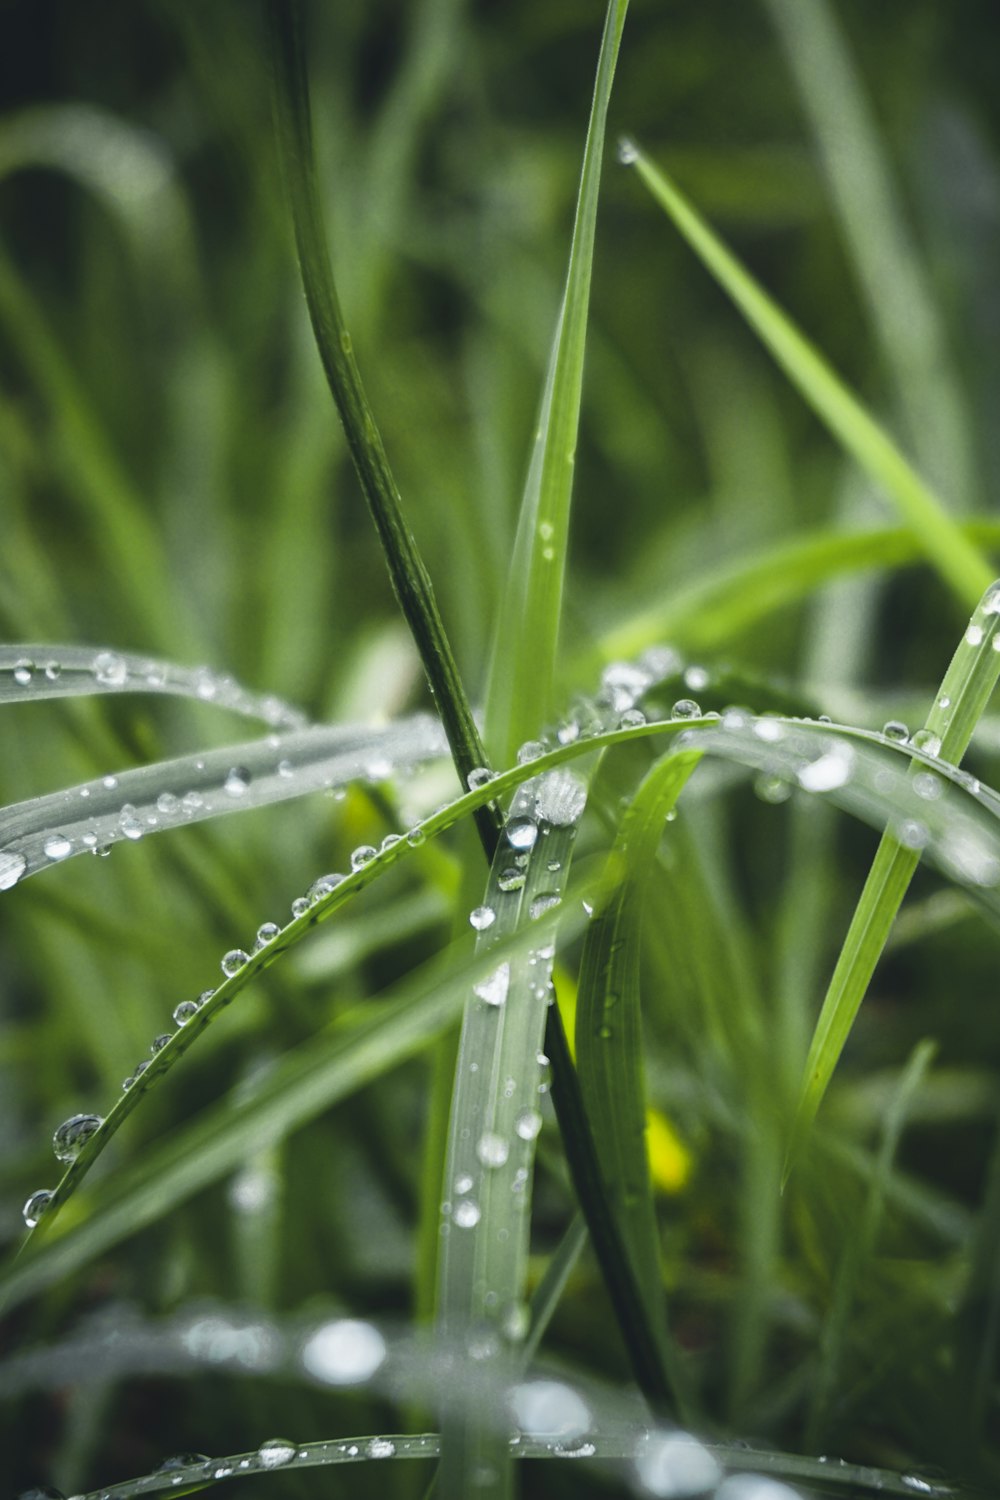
545	1298
881	247
519	699
410	578
712	609
609	1034
965	691
944	544
860	1248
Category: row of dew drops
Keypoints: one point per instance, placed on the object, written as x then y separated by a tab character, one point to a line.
615	706
541	1415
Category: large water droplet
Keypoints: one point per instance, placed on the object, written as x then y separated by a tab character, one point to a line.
159	1042
266	933
57	846
561	798
528	1124
492	1149
233	961
895	729
36	1206
479	776
482	917
685	708
928	741
362	856
380	1448
184	1011
275	1453
344	1352
543	902
110	669
237	782
24	671
511	879
974	635
493	989
549	1409
73	1134
674	1464
829	772
522	833
12	867
467	1213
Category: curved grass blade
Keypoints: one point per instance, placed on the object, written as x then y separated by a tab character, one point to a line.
48	830
963	696
944	544
711	610
29	672
609	1042
545	1298
410	578
519	697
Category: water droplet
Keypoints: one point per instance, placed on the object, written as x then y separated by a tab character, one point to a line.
344	1352
110	669
463	1183
671	1464
36	1206
192	802
467	1213
911	834
363	855
685	708
829	772
57	846
266	933
41	1492
511	879
522	833
974	636
567	734
285	769
550	1409
769	730
131	1081
168	804
380	1448
12	867
492	1149
561	798
237	782
24	671
515	1322
928	786
129	822
159	1042
204	998
632	718
73	1134
233	961
276	1452
926	740
479	776
482	917
543	902
528	1124
772	789
493	989
628	154
415	837
300	906
895	729
184	1011
181	1461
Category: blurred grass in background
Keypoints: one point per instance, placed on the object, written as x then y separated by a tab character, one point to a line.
172	480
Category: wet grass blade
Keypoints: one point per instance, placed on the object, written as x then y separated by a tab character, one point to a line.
410	578
943	542
609	1040
964	694
519	699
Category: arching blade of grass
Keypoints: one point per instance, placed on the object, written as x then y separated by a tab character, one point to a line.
943	542
965	691
710	611
519	699
885	257
494	1117
309	1080
410	578
861	1246
609	1039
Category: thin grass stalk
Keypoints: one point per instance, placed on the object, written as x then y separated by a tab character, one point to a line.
410	579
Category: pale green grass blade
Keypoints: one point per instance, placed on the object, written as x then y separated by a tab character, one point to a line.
609	1036
963	696
710	611
545	1298
495	1118
861	1247
944	544
882	248
523	668
410	578
338	1062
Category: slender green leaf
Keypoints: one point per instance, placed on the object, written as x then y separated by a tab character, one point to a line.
944	544
519	698
964	694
